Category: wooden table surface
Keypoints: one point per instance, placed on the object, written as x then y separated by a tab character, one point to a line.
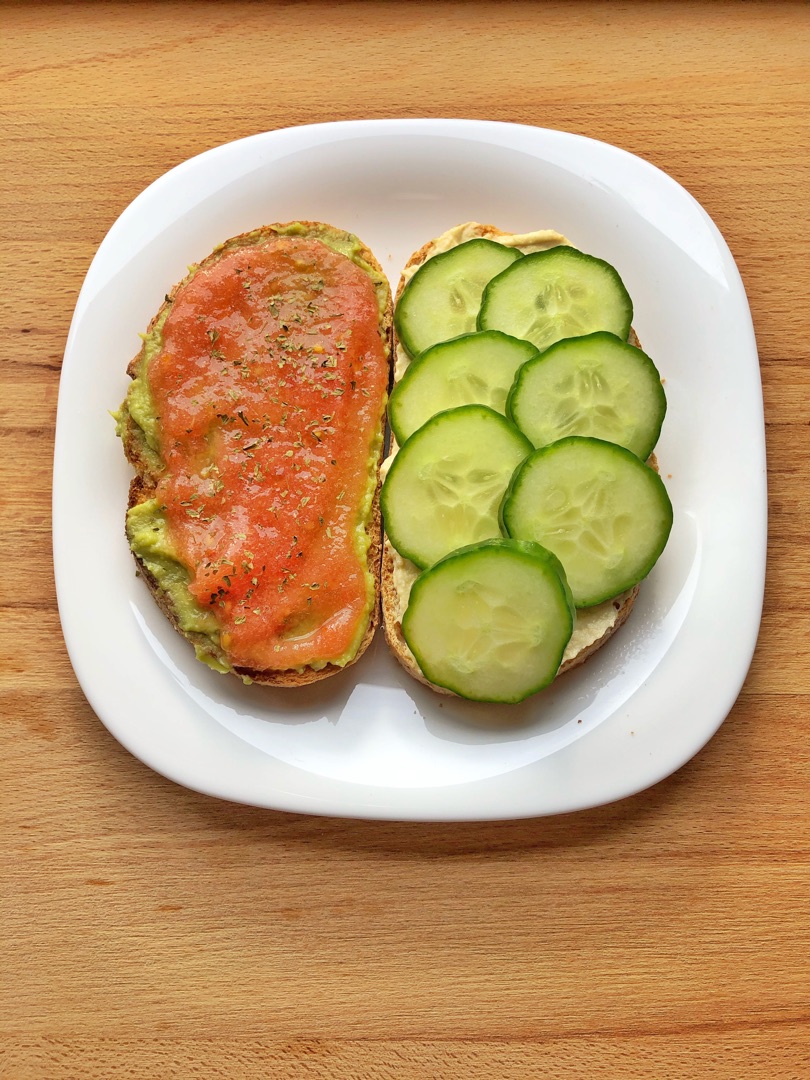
147	931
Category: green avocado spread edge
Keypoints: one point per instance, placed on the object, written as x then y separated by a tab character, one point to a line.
146	525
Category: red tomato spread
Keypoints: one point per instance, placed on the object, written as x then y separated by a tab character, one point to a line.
269	390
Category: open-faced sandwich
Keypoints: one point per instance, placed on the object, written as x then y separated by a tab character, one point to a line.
521	500
254	422
522	504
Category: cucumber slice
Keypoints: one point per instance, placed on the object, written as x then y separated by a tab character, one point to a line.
603	512
491	622
445	486
555	294
475	368
442	298
595	386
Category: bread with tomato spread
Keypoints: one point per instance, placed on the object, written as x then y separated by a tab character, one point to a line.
593	627
254	422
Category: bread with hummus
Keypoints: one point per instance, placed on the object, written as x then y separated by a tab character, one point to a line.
254	422
592	626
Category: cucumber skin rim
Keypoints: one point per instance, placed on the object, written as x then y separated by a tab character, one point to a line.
622	451
529	550
403	336
543	354
417	361
554	251
433	420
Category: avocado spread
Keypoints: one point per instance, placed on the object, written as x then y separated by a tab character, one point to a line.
148	536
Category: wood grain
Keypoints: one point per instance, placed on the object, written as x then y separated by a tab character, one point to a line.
149	931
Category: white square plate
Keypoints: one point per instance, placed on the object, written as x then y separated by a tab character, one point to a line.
371	742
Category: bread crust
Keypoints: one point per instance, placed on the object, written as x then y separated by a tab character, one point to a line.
143	485
390	599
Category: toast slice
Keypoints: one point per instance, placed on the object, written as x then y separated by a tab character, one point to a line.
288	370
593	626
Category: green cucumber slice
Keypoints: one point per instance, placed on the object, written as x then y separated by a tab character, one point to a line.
472	369
555	294
445	485
596	386
442	299
491	622
603	512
